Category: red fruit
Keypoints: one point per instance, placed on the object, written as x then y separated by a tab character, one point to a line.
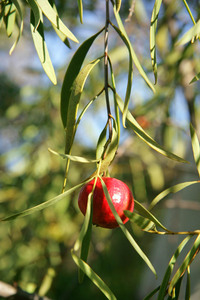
121	197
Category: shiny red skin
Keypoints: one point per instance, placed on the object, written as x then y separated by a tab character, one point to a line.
121	197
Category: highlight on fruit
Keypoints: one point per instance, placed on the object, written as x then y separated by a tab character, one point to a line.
120	195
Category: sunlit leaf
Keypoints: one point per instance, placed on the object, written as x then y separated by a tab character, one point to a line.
196	78
170	268
190	34
101	142
21	25
75	158
93	277
195	147
130	73
9	18
76	92
53	17
135	58
153	27
188	259
80	8
188	285
118	4
43	205
145	213
41	48
173	189
71	74
125	230
144	136
144	223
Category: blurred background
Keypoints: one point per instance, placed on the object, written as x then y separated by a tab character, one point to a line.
35	250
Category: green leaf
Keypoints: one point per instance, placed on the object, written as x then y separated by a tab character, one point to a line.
43	205
196	78
9	18
74	158
170	268
151	294
195	147
71	74
41	47
36	11
80	8
76	91
173	189
130	73
188	259
101	142
135	58
188	285
125	230
21	25
153	27
118	5
144	136
190	35
93	277
144	223
145	213
53	17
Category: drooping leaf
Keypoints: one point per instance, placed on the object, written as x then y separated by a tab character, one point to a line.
21	25
144	136
187	261
118	5
135	58
41	47
93	277
173	189
130	73
170	268
188	285
101	142
195	147
36	11
53	17
9	18
153	27
43	205
151	294
125	230
144	223
73	104
71	74
190	35
80	8
74	158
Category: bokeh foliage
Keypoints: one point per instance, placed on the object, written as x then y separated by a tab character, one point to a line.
35	250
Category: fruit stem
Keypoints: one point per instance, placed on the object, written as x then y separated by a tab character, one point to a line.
106	69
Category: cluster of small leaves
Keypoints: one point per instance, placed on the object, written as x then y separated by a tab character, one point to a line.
72	89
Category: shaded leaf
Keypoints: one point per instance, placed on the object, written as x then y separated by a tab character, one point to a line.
144	136
93	277
53	17
150	295
76	92
9	18
188	259
153	27
170	268
190	35
74	158
118	5
43	205
41	48
71	74
36	12
144	223
101	142
21	25
80	9
125	230
188	285
173	189
195	147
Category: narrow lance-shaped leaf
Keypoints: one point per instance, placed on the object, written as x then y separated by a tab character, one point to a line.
170	268
41	48
173	189
76	91
188	285
80	9
53	17
144	223
125	230
187	261
196	78
153	27
130	73
93	277
78	159
43	205
144	136
190	34
71	74
21	25
9	18
195	147
135	58
36	11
